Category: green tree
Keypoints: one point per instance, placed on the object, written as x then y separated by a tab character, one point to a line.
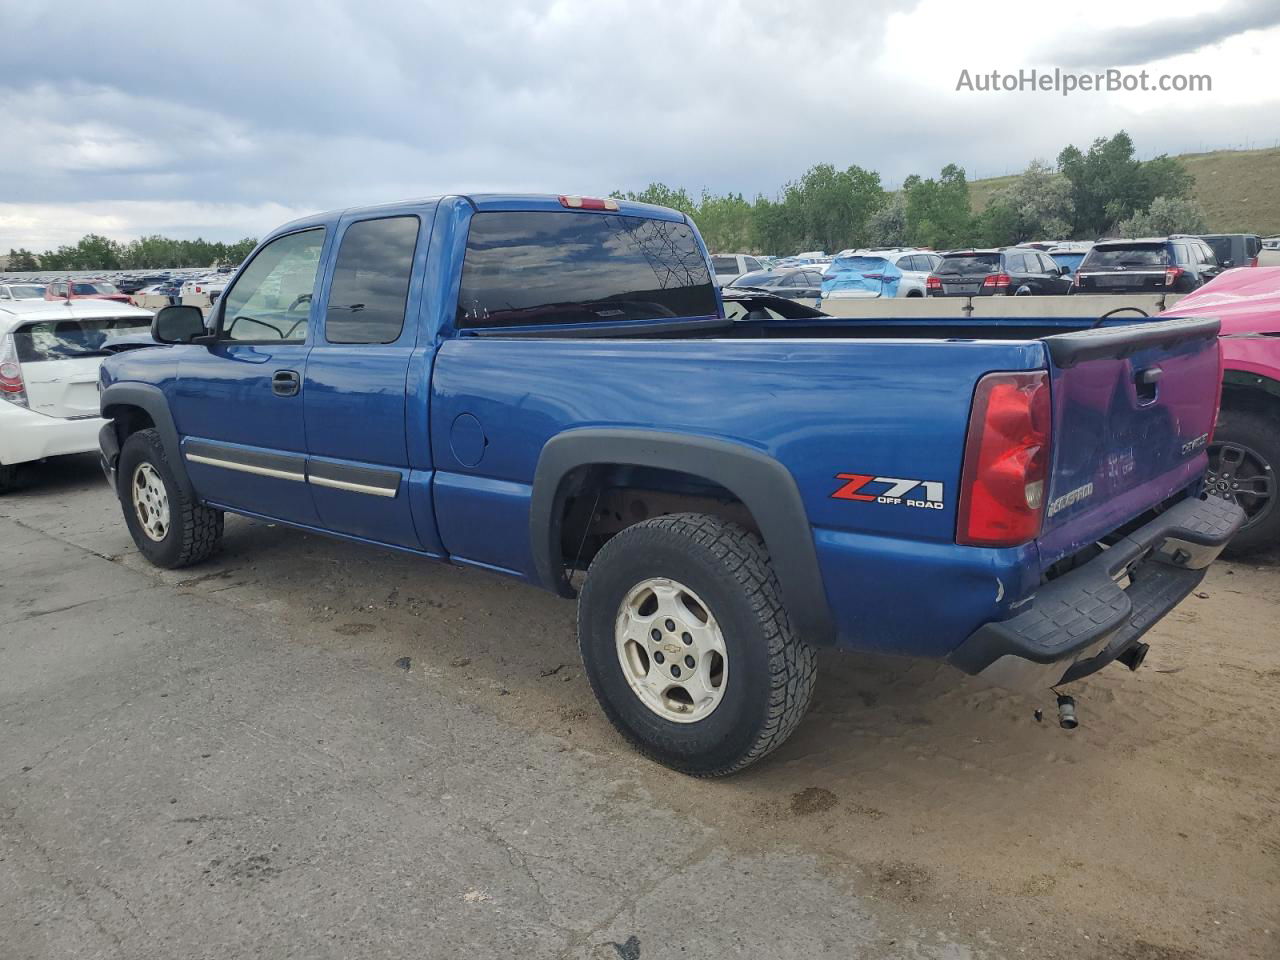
725	222
1166	215
938	212
1037	205
774	228
663	196
1109	184
833	206
887	227
22	260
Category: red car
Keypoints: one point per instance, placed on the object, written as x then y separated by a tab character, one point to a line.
1245	453
83	290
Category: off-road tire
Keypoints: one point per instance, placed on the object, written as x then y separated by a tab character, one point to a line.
1259	431
771	671
195	531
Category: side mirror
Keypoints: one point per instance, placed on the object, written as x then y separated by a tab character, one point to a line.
1063	271
180	324
1225	264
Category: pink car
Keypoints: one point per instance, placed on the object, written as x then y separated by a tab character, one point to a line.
1245	453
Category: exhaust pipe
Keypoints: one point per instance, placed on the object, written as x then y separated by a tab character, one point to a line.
1067	712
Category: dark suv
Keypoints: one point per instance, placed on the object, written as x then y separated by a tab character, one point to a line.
1234	249
1013	271
1176	264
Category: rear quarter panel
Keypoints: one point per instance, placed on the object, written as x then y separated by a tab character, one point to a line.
891	409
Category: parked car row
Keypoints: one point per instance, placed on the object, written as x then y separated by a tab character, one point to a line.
1174	264
198	287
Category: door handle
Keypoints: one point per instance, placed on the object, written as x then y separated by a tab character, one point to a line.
285	383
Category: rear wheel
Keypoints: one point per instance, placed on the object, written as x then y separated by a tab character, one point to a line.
170	529
1243	460
688	646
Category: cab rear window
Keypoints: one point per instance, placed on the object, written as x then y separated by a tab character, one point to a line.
68	339
550	267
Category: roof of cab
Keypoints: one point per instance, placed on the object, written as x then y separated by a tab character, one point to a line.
481	202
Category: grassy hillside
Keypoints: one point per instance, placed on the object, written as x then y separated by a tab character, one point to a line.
1239	189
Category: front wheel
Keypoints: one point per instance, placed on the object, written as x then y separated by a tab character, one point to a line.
688	646
170	529
1243	460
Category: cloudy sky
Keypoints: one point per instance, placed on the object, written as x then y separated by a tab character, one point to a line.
133	117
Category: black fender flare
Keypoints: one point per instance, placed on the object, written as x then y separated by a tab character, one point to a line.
152	400
1246	380
764	486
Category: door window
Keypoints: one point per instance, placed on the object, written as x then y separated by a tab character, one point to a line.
371	281
271	300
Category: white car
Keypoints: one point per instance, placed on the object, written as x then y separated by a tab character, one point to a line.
202	291
50	352
878	272
727	266
20	291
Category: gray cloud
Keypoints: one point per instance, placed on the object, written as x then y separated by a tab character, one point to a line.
1163	37
151	117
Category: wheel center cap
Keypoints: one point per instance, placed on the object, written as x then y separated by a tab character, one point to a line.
671	649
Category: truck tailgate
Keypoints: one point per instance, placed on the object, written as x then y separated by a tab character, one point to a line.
1133	410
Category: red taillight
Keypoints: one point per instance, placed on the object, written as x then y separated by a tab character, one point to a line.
1253	261
997	280
1171	275
933	283
588	203
11	386
1006	461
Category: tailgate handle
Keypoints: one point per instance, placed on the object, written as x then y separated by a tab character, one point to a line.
1146	381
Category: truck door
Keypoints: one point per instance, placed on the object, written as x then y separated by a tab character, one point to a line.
357	382
238	403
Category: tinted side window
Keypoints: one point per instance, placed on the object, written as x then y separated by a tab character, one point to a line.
271	299
1180	253
1015	263
371	281
753	263
1253	246
725	266
527	267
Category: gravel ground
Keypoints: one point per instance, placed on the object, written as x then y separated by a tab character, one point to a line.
310	748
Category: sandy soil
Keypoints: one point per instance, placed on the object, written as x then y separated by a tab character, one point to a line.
1149	833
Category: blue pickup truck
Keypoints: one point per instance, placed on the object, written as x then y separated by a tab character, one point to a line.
550	388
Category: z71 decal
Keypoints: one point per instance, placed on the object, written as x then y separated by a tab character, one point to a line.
926	494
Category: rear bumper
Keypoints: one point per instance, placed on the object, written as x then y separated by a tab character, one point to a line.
1086	619
26	435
